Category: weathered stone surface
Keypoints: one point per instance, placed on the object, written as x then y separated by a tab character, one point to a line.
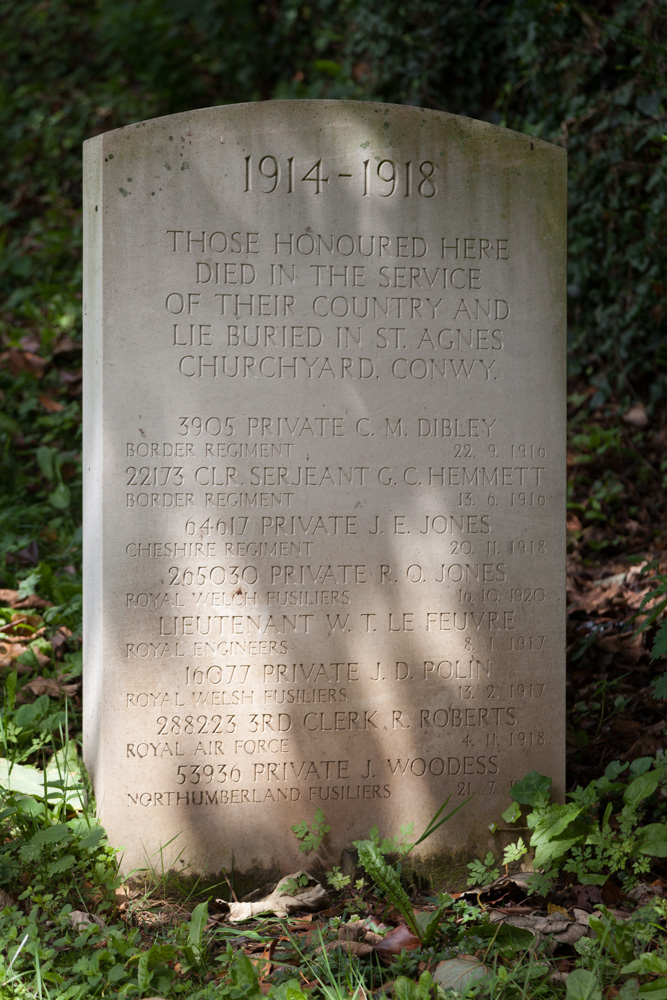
324	450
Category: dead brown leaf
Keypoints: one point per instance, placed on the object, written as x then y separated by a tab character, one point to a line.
636	416
80	919
395	941
631	648
9	651
51	686
557	927
51	405
23	626
279	902
612	895
647	746
359	948
31	342
65	345
587	896
23	361
359	940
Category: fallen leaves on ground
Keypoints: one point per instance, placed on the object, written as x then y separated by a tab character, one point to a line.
287	897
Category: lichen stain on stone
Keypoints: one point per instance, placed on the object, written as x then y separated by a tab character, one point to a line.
123	192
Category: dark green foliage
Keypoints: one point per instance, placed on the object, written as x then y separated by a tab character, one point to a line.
593	78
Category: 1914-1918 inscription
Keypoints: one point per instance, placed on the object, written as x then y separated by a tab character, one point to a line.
324	448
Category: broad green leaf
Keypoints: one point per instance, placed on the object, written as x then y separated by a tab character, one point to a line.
531	790
63	777
293	992
44	456
640	788
160	953
60	498
66	863
197	925
21	778
10	690
428	923
457	973
144	975
26	805
92	839
505	937
55	834
657	990
582	985
646	964
592	879
615	769
404	988
115	973
26	715
652	840
65	772
244	975
641	764
556	831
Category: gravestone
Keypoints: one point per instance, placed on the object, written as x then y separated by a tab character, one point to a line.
324	498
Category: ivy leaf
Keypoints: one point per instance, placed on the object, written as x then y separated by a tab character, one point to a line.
531	790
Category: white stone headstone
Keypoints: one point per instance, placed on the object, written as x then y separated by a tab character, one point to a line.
325	473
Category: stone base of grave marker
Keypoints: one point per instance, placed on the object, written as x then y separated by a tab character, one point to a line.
324	501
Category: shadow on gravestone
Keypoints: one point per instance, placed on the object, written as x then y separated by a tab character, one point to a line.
324	501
